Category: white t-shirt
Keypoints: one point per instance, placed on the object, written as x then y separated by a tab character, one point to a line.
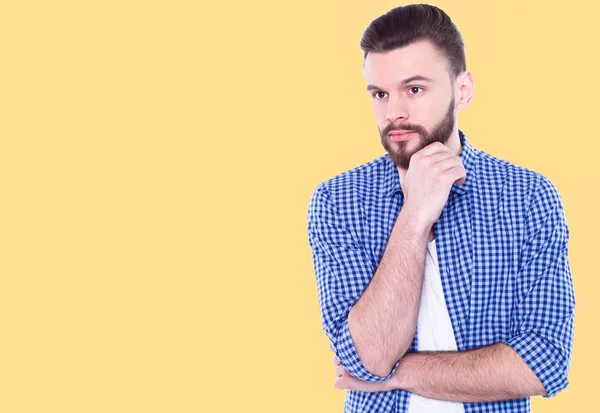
434	331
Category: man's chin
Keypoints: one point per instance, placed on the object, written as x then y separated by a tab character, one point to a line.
396	158
400	150
406	150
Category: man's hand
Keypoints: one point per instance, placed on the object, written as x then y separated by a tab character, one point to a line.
427	182
345	381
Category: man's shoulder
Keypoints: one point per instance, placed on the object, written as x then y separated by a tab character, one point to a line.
369	177
494	172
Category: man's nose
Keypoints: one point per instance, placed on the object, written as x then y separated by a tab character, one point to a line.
396	109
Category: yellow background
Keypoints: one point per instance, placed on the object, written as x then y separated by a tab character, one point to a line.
156	163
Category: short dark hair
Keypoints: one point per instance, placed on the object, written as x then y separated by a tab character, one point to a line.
408	24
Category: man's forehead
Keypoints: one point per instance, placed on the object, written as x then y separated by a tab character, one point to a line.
417	58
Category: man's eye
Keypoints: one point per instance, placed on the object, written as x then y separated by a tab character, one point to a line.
376	95
415	87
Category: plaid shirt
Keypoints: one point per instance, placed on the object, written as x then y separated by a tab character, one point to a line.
502	251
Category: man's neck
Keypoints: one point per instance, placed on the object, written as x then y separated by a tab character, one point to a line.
453	143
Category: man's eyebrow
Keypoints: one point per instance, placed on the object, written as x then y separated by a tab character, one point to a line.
405	81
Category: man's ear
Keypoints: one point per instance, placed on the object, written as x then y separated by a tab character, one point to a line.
466	86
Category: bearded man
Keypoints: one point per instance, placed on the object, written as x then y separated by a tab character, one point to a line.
442	271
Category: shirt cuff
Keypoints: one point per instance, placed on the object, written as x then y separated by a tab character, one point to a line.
348	356
544	359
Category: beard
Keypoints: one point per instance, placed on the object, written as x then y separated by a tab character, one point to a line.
440	133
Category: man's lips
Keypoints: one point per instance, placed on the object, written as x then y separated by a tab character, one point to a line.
401	135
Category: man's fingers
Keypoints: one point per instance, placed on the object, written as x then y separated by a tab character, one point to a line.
346	381
433	148
448	163
433	159
331	347
456	174
451	168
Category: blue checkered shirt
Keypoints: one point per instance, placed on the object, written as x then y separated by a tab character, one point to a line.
502	252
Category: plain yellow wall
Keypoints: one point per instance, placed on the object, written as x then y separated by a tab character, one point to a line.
156	163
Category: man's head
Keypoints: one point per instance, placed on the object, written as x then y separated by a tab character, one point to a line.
415	68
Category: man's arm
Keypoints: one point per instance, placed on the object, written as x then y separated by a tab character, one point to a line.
344	271
488	373
535	359
371	331
384	320
538	350
542	323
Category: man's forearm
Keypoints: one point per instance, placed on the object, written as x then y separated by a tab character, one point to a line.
488	373
383	321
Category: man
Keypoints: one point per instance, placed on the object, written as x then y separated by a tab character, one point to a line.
442	272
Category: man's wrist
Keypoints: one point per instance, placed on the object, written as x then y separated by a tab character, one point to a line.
402	373
412	225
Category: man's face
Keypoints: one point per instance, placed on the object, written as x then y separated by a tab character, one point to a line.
410	90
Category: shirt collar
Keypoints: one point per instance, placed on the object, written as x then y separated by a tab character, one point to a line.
467	155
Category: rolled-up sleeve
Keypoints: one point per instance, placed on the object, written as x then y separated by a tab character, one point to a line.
343	270
542	323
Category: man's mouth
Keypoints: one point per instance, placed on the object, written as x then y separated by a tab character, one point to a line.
401	135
